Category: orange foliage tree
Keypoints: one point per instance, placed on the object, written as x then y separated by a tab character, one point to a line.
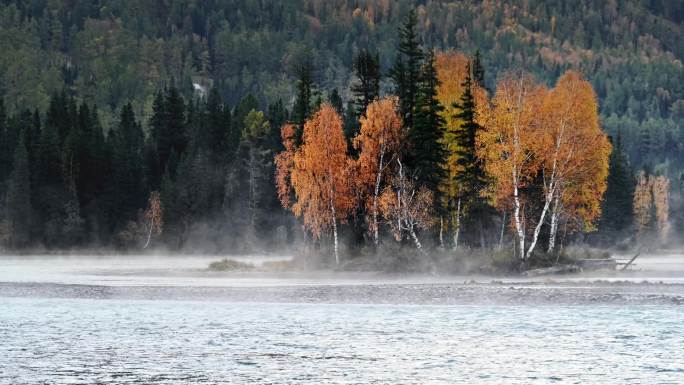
320	176
552	136
378	142
575	154
284	162
509	144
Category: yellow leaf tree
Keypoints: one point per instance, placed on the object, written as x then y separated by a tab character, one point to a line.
575	155
510	145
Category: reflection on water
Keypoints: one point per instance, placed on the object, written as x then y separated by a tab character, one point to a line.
124	341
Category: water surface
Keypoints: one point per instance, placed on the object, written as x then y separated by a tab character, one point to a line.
59	341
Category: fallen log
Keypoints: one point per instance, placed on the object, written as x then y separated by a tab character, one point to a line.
631	260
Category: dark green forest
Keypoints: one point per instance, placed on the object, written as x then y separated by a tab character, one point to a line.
103	102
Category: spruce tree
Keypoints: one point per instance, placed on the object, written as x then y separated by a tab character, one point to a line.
304	99
217	125
425	152
18	201
471	179
406	72
50	193
367	88
617	212
128	190
478	70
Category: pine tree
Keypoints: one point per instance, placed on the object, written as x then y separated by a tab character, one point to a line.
50	193
303	105
406	72
128	191
18	201
617	214
335	100
425	153
471	179
217	125
367	88
478	70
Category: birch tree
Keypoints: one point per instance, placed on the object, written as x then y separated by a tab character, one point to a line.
320	176
378	143
509	145
575	155
405	207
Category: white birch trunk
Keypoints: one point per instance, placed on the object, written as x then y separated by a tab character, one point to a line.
537	229
503	227
516	217
416	241
334	224
555	213
376	193
149	235
457	229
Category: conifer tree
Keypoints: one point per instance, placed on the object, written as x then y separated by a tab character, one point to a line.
406	72
18	201
425	153
303	105
478	70
471	179
617	214
367	88
128	191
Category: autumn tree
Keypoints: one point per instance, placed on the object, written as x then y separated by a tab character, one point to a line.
651	208
378	143
284	162
575	154
451	69
154	216
510	144
552	138
406	207
320	177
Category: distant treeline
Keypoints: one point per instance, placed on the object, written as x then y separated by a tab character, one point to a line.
209	171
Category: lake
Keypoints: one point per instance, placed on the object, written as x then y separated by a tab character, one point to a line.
351	332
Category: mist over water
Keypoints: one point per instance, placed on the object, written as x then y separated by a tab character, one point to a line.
140	320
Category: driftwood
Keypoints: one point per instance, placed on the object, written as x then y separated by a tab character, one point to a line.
558	269
631	260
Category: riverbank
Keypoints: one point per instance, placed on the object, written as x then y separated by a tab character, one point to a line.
655	280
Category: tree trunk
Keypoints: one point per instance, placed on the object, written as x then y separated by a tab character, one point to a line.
416	240
537	229
334	223
457	228
441	232
516	216
375	200
554	224
503	226
149	235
